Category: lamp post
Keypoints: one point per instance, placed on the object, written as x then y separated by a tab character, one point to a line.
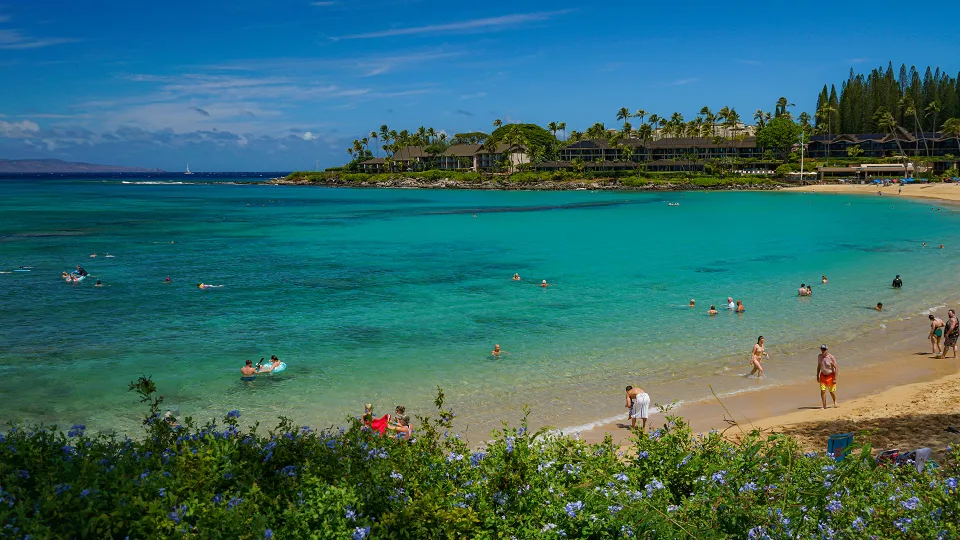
801	156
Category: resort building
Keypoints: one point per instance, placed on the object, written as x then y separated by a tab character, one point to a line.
878	145
473	157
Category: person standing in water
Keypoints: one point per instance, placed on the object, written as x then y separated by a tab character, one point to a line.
496	352
827	376
248	371
730	304
897	282
740	308
823	279
936	332
543	284
516	277
755	356
639	404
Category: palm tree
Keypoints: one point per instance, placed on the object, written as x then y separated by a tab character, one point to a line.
640	114
653	120
552	128
497	123
933	109
888	123
910	108
624	114
758	116
562	126
781	109
952	127
575	136
431	135
804	120
373	135
627	129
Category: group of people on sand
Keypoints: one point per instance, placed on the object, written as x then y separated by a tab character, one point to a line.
398	424
249	371
948	331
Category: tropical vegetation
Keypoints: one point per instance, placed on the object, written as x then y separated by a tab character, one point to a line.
223	479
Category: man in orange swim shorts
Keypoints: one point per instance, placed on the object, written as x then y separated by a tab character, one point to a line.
827	376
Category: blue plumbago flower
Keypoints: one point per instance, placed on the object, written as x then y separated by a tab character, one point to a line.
62	488
476	458
23	474
454	457
643	455
684	461
548	527
655	434
166	474
827	468
572	508
951	483
177	514
268	533
162	492
351	514
217	499
571	469
233	414
396	476
69	450
267	457
227	476
234	502
858	524
626	531
2	438
621	477
902	523
911	504
653	486
834	506
510	441
718	477
289	470
749	486
145	474
360	533
76	430
614	509
810	454
85	493
500	499
757	533
288	436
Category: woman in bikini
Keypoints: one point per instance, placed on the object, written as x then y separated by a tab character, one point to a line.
755	357
936	332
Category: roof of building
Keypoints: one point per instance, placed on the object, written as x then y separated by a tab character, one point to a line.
374	161
462	150
409	152
702	142
501	148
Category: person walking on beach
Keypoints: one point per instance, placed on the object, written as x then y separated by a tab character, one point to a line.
827	376
755	357
639	404
936	332
952	333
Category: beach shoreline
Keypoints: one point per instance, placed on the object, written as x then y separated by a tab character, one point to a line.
936	191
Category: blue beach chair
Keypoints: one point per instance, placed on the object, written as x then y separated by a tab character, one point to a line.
837	445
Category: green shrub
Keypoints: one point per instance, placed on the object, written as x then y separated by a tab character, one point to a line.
220	480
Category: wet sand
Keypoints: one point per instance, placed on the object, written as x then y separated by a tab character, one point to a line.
943	192
905	396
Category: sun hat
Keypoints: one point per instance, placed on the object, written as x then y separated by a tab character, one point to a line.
823	347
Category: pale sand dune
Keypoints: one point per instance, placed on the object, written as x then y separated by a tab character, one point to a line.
944	192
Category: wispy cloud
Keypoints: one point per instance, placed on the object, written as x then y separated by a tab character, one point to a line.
858	60
17	130
200	111
463	112
681	82
491	23
13	39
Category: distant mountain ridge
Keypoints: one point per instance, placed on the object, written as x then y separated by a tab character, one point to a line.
60	166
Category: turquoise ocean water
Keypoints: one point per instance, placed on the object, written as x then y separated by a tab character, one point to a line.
382	295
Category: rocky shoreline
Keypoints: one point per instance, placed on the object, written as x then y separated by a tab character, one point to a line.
608	184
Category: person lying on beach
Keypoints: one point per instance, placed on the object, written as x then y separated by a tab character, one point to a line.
755	356
639	404
712	310
516	277
740	308
879	306
936	332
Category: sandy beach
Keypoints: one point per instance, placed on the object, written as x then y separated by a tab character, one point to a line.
943	192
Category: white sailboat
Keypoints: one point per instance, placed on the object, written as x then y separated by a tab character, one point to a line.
188	169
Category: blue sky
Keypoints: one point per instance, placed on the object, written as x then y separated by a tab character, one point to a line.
281	84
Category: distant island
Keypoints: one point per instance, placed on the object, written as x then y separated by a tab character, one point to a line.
60	166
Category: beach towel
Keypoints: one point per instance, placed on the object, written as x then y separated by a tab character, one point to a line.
379	424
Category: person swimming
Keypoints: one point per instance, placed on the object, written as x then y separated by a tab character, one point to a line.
543	283
823	279
496	352
98	284
167	280
879	306
207	286
712	310
248	372
692	302
516	277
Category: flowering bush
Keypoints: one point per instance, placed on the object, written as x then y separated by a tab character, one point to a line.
221	480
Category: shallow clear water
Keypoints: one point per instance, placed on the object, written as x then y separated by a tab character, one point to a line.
381	295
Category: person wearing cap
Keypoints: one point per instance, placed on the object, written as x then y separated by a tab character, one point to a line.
897	282
543	283
827	376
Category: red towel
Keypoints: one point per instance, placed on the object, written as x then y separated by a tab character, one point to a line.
380	424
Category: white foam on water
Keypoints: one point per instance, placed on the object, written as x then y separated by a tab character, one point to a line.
933	310
591	425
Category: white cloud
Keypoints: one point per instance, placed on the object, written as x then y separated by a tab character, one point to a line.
18	130
11	39
681	82
493	23
309	136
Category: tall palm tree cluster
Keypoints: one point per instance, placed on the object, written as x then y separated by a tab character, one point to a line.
390	140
